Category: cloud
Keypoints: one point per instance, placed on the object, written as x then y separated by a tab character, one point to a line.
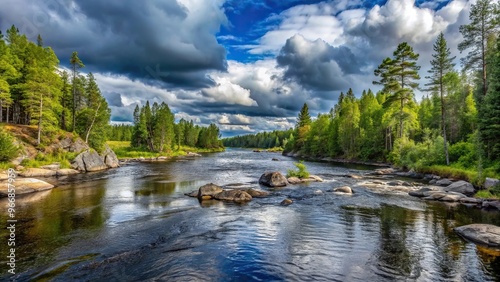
229	93
169	41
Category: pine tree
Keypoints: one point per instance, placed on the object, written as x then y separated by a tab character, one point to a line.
76	64
441	64
483	24
399	76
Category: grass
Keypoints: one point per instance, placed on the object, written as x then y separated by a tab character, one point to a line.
487	194
61	157
123	150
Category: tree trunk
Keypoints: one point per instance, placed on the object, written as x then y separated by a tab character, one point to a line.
92	124
7	117
1	111
74	98
40	121
443	122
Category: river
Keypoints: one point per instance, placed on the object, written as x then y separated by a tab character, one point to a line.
134	223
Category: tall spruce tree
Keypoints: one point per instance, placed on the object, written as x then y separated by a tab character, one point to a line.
442	64
76	64
483	24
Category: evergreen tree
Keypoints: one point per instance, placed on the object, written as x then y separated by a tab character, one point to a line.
483	24
441	64
76	64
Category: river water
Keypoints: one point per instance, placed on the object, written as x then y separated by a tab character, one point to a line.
134	223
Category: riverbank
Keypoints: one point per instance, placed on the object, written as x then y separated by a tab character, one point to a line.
125	152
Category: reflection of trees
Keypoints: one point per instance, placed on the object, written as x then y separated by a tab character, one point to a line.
394	257
44	225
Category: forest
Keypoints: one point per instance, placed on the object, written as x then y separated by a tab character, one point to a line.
35	91
456	124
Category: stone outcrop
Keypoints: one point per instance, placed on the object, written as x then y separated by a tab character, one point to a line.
88	161
24	186
208	191
490	182
38	172
484	234
70	145
234	195
109	158
273	179
462	187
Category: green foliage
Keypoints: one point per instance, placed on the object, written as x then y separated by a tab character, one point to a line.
8	150
262	140
300	172
59	156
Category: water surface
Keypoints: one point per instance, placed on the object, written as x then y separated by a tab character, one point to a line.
134	223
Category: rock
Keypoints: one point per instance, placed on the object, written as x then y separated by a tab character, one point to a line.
208	191
257	151
88	161
433	181
315	178
273	179
461	186
76	146
468	200
443	182
294	180
233	195
343	189
318	192
193	194
353	176
54	166
257	193
382	171
286	202
485	234
38	172
395	183
24	185
452	197
275	160
495	205
109	157
420	192
162	158
490	182
66	171
191	154
435	195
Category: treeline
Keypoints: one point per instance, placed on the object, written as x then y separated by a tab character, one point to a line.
121	132
264	140
33	91
155	130
456	122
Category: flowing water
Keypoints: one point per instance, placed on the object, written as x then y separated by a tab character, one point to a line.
134	223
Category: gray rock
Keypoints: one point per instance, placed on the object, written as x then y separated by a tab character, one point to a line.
294	180
318	192
420	192
485	234
273	179
395	183
54	166
24	186
257	193
353	176
233	196
88	161
109	157
490	182
443	182
76	146
435	195
452	197
495	205
66	171
433	181
275	160
343	189
37	172
208	191
468	200
286	202
461	186
315	178
193	194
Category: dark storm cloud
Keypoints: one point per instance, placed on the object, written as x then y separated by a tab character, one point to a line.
113	98
316	64
151	40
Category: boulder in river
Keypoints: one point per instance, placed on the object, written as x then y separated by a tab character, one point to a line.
88	161
422	192
294	180
109	157
234	195
485	234
286	202
24	186
257	193
273	179
208	191
343	189
461	186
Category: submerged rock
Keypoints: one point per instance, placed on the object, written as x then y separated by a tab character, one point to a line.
233	195
286	202
208	191
273	179
485	234
343	189
257	193
461	186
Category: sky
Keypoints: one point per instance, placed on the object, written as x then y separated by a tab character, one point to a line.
245	65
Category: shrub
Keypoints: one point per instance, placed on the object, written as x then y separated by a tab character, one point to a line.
301	171
7	148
